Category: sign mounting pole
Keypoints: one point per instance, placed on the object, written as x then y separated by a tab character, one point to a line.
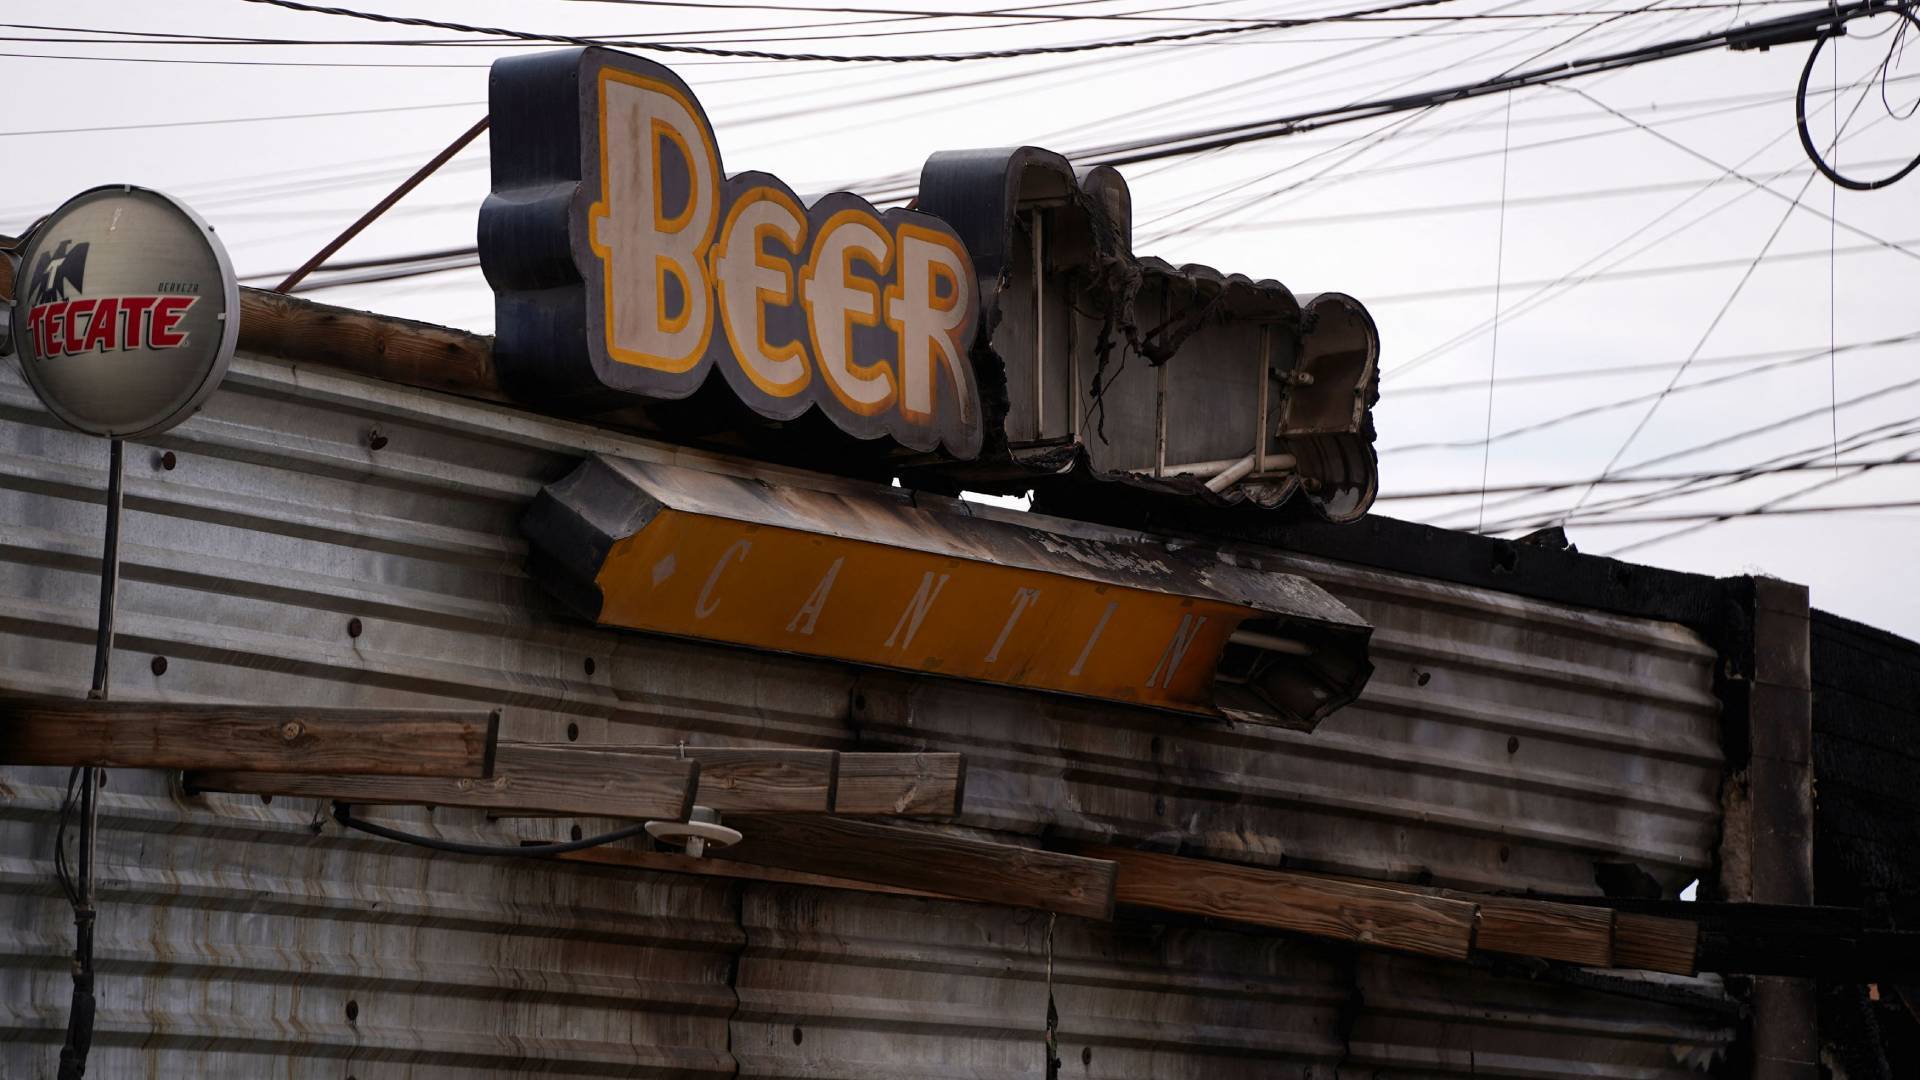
73	1055
125	315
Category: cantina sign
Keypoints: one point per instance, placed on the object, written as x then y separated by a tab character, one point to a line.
628	267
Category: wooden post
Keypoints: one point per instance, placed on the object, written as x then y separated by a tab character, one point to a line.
1767	838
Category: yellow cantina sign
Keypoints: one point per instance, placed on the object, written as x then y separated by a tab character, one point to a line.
803	592
869	577
628	268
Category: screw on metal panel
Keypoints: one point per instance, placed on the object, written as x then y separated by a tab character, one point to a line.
1159	807
589	665
1513	744
797	1036
167	461
577	834
353	1011
573	732
375	440
353	628
1423	677
159	665
1086	1056
1153	748
1504	853
266	800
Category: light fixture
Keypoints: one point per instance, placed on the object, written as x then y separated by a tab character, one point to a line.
701	828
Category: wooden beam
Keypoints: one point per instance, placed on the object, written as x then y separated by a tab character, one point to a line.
1567	932
1304	903
1655	943
250	738
929	861
549	780
746	780
668	862
927	785
397	350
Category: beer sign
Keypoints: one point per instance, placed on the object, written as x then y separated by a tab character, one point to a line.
628	268
125	312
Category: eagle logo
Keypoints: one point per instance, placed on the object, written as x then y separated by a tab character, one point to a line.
59	274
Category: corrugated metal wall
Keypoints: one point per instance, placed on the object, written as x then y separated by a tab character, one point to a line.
874	988
230	935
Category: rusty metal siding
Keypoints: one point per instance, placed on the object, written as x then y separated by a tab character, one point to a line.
232	936
846	987
1502	743
237	941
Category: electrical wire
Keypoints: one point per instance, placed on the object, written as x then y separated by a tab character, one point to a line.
835	58
1617	370
1714	324
244	119
1548	487
342	813
1610	406
1908	18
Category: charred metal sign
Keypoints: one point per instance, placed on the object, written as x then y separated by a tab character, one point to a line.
872	577
123	312
628	267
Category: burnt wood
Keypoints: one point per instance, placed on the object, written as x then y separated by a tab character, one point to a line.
928	861
551	780
251	738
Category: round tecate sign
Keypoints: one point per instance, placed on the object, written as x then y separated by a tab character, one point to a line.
125	312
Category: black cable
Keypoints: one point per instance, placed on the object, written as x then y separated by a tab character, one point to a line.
758	54
1905	12
342	814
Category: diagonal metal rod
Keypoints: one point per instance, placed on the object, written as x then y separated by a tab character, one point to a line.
383	205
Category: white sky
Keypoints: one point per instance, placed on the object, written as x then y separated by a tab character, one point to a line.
1410	224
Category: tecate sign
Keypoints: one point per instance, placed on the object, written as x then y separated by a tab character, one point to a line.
124	312
627	267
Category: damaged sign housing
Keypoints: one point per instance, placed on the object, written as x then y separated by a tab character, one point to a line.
1002	335
881	577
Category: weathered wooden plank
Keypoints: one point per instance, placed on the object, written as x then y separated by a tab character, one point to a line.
928	785
539	779
1304	903
251	738
733	780
397	350
1655	943
738	780
930	861
1571	933
668	862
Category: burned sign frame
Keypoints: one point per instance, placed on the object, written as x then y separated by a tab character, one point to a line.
627	267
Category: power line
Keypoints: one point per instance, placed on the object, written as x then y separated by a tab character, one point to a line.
997	54
245	119
1758	511
1808	457
1606	407
1549	487
1726	306
1614	370
1667	270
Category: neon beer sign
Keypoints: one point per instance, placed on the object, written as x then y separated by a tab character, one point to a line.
628	268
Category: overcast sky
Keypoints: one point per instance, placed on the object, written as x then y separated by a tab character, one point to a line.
1623	248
